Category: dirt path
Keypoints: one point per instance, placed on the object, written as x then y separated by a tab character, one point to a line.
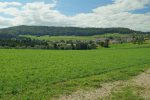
142	80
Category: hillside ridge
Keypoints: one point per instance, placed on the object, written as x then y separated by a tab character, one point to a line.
64	31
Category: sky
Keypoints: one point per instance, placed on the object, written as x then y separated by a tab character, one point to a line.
133	14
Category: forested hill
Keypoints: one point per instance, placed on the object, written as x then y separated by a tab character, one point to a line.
60	31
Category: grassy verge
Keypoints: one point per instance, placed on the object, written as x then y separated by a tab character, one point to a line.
126	93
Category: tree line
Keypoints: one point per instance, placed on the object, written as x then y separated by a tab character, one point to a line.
11	41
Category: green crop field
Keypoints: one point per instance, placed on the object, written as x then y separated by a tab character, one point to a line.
43	74
46	37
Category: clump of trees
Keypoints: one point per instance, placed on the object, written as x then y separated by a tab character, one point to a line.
22	43
138	38
72	45
104	43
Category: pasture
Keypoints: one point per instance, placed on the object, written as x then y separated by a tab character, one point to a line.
52	38
43	74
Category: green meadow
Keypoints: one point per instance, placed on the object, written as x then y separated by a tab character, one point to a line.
44	74
46	37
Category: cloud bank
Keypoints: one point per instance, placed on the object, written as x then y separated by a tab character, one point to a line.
117	14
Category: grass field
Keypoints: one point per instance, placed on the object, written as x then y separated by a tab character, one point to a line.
74	37
60	37
43	74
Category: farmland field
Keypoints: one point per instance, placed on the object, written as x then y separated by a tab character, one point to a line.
46	37
43	74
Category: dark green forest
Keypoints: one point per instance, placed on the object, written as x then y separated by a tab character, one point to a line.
63	31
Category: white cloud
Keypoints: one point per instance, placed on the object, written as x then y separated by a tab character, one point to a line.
6	4
116	14
4	22
39	13
121	6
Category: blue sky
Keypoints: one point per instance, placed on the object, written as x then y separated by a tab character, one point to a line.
134	14
144	10
72	7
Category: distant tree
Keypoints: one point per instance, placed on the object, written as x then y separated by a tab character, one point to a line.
138	38
106	43
68	47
